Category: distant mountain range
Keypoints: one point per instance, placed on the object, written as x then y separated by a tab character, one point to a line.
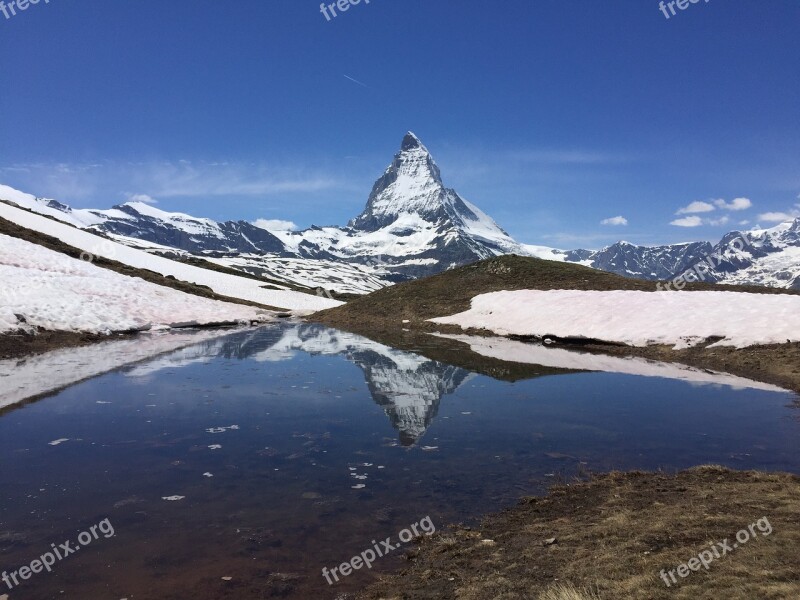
413	226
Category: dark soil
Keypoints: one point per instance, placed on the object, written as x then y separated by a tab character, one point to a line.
15	345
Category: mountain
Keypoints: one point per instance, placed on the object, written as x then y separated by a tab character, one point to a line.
643	262
413	215
142	221
412	226
235	244
769	257
139	221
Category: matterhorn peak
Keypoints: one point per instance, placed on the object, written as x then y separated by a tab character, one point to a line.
410	196
415	161
411	184
412	142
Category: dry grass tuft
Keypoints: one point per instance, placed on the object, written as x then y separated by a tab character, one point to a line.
566	591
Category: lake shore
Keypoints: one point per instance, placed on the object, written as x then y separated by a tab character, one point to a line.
20	344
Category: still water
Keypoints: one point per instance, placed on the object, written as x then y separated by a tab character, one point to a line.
240	466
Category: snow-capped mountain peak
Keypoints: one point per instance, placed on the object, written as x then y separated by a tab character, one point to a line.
187	224
411	197
411	141
412	183
788	230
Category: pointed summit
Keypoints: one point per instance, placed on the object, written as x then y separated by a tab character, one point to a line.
419	216
411	142
411	184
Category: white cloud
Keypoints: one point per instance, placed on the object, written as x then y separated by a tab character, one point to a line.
142	198
700	206
696	207
717	222
186	180
745	222
735	204
687	222
174	179
275	225
695	221
705	207
779	217
620	220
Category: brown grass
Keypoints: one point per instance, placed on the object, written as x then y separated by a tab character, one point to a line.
614	535
565	591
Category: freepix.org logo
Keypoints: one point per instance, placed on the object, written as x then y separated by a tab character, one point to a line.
48	560
10	9
342	5
668	8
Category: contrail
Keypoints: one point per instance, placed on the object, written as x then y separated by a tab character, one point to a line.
357	81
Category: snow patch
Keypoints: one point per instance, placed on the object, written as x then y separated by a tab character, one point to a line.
679	319
59	293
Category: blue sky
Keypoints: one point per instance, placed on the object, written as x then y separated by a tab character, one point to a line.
552	116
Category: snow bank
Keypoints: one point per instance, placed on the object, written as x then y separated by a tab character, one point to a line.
53	291
558	358
680	319
222	283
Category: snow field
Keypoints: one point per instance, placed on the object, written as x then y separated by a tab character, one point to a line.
51	290
222	283
679	319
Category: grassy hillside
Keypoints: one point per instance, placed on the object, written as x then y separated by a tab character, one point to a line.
450	292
